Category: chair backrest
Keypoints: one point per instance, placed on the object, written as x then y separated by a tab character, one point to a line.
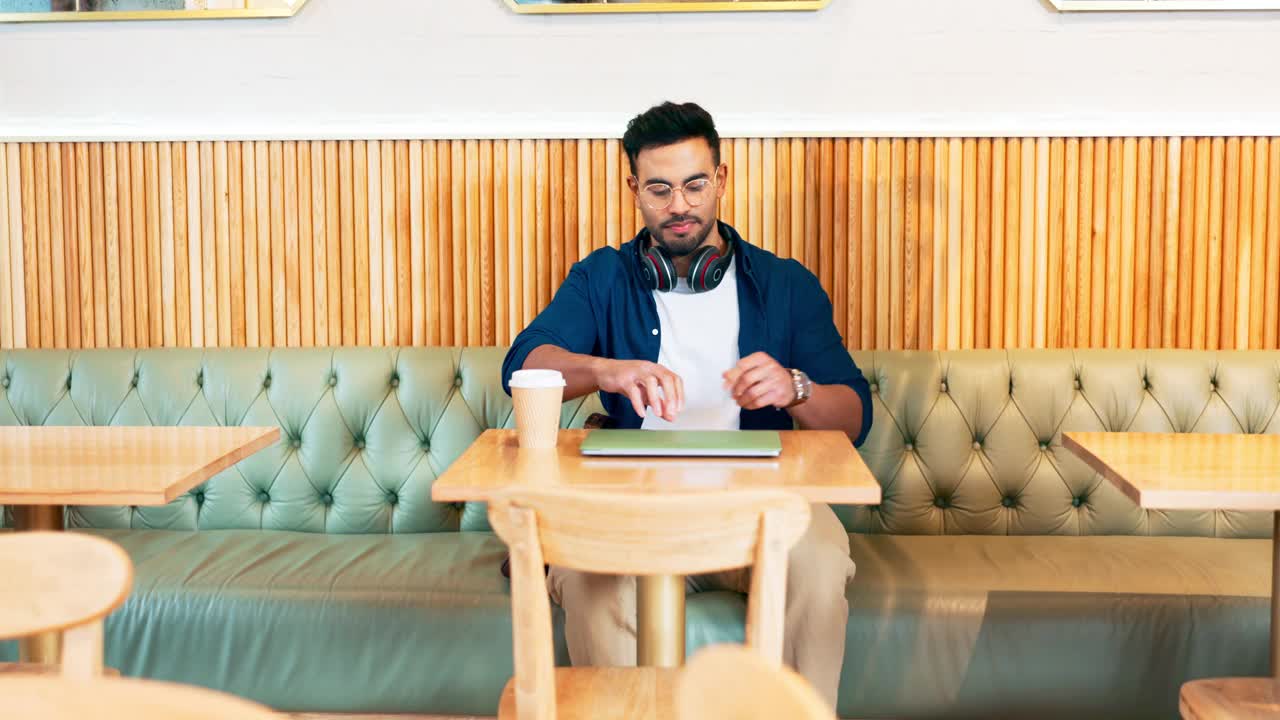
639	534
728	682
64	582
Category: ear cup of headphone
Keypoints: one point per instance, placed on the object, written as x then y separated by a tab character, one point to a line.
658	269
708	268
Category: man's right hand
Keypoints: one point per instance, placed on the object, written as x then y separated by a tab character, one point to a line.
647	384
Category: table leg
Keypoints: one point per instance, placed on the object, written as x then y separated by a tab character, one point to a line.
44	648
1275	597
660	620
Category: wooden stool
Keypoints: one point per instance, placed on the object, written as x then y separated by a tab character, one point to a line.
1230	699
634	534
729	682
66	583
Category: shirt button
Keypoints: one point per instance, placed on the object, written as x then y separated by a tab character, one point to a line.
655	331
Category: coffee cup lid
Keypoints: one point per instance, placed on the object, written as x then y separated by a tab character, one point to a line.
532	379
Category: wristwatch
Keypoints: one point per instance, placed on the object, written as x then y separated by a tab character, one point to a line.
803	386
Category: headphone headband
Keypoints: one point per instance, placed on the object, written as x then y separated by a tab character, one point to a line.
706	270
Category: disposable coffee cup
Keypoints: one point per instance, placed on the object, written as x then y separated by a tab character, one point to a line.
537	395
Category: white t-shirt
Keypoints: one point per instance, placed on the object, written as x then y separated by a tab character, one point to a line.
699	342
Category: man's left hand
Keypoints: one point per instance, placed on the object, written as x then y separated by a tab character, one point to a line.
758	381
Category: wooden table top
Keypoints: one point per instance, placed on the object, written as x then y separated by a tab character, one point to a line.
821	466
1186	471
117	465
55	698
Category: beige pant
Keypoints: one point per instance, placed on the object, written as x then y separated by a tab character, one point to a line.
600	610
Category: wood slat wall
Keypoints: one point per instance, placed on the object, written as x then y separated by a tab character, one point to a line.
921	243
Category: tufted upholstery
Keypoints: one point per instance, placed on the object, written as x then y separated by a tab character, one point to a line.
364	431
970	442
963	442
376	604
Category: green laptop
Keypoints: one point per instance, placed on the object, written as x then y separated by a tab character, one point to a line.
683	443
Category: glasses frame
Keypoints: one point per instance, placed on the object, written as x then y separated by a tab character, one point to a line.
713	181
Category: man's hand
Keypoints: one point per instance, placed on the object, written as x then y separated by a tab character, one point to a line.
758	381
647	384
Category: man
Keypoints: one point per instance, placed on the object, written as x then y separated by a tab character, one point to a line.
689	327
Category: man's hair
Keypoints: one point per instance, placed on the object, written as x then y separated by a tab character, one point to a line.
668	124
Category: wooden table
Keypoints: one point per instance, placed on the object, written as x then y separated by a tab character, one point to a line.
1184	471
55	698
820	466
43	469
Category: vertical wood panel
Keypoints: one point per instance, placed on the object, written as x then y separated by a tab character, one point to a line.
955	244
1056	172
1159	197
1070	219
347	243
137	179
1115	242
1273	242
181	249
7	320
1012	242
1213	289
982	248
961	242
333	242
360	250
1230	227
1097	329
222	240
306	247
1084	248
57	247
1142	245
151	161
235	205
1172	254
942	175
249	226
1258	264
911	244
413	180
399	160
484	310
1128	240
853	263
376	262
897	239
869	238
968	242
927	239
1189	195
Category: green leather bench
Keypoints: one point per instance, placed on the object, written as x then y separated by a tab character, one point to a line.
998	578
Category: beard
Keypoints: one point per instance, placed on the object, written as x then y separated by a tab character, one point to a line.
682	245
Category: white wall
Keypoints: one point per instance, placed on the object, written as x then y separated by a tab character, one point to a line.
461	68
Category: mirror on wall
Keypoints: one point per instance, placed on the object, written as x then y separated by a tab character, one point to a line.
71	10
664	6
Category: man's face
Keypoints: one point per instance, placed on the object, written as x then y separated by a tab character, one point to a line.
685	176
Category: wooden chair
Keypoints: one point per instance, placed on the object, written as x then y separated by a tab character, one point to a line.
633	534
1230	699
61	698
729	682
61	582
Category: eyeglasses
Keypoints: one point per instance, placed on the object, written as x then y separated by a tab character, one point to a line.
658	196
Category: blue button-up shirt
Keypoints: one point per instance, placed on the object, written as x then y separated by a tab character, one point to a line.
606	309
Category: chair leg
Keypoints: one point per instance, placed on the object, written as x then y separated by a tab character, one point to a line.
82	649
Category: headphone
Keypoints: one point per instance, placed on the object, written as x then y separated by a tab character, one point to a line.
705	271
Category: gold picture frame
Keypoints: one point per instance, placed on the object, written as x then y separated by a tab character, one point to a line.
665	6
111	16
